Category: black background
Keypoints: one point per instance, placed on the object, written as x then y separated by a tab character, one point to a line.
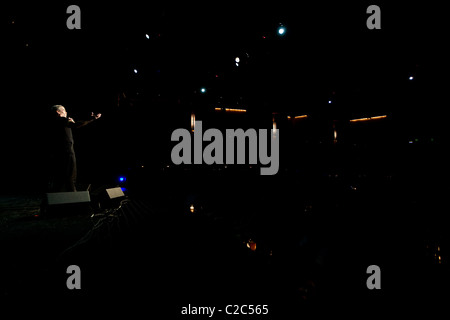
326	54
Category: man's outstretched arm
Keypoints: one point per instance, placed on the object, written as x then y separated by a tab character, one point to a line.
77	124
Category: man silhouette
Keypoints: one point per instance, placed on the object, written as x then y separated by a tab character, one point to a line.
64	167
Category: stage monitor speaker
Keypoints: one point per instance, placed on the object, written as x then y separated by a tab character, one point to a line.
60	198
115	193
66	203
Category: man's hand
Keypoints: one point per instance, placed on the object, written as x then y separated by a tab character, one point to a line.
71	120
96	116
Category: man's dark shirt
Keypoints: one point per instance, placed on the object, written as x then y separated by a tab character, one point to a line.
62	133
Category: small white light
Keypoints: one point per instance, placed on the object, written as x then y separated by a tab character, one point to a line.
147	36
202	90
237	60
281	30
411	78
329	101
135	70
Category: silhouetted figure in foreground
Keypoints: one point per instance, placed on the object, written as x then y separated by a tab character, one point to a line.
64	167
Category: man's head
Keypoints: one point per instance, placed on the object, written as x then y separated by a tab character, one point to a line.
60	110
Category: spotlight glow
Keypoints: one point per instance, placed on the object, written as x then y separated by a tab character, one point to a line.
281	31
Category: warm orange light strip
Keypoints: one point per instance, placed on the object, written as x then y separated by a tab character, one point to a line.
298	117
360	119
235	110
378	117
368	119
230	110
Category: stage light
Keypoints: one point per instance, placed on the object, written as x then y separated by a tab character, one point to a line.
135	70
298	117
122	179
411	78
368	119
234	110
203	90
147	36
237	60
251	245
281	30
191	208
329	101
378	117
192	122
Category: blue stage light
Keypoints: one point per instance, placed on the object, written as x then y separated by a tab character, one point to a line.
122	179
